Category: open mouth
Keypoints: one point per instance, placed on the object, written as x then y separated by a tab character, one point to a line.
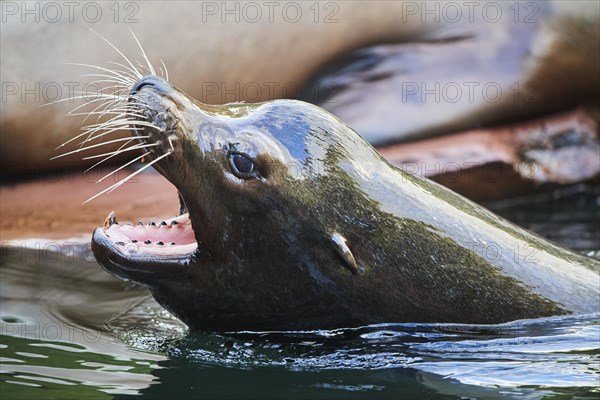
170	237
126	249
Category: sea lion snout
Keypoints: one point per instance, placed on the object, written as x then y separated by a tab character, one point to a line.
155	109
155	82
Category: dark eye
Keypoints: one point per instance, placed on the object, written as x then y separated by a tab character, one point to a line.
241	165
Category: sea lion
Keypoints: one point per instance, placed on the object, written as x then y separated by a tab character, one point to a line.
504	64
290	220
218	52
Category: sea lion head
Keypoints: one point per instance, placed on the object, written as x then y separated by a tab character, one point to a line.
268	209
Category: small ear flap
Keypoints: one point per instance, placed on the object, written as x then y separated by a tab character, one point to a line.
341	247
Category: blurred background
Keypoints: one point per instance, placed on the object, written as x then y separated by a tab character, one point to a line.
495	100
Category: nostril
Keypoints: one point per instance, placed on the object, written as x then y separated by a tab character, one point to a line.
140	84
145	81
154	81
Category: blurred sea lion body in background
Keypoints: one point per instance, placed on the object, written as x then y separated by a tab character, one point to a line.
434	68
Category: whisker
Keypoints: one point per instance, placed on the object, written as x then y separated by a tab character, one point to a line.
102	143
106	127
120	86
88	131
134	70
143	52
114	87
121	150
120	122
107	103
142	68
127	107
96	145
105	107
121	117
116	185
114	129
115	122
123	74
101	96
98	95
166	71
123	166
122	112
106	132
112	154
111	78
135	74
110	112
103	131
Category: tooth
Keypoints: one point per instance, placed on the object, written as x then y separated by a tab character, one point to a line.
182	206
110	220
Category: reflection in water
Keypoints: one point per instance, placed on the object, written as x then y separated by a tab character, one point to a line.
551	355
53	332
72	331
